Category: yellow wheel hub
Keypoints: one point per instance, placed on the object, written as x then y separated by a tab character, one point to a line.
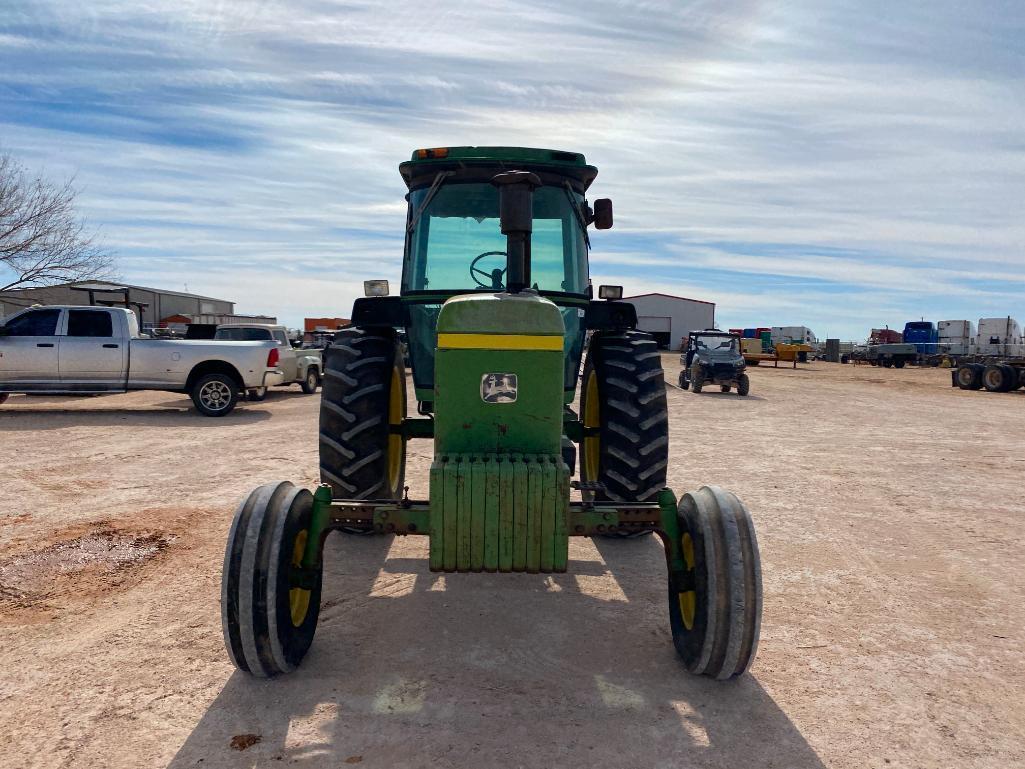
298	598
592	418
395	447
689	599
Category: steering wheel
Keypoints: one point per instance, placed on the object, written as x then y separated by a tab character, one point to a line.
495	278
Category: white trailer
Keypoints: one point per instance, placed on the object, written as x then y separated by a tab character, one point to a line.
998	336
956	337
793	335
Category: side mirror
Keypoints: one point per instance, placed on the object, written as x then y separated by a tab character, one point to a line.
603	214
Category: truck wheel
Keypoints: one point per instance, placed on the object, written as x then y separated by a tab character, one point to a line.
898	364
743	385
623	407
215	395
269	606
684	384
1013	380
715	604
1015	373
312	381
724	388
697	378
886	363
364	397
997	379
969	377
256	394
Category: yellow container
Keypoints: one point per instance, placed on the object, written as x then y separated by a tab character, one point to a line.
789	351
750	346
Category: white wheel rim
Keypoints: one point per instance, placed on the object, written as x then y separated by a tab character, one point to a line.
215	395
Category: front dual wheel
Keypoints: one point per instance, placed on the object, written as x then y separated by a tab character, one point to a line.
270	604
715	603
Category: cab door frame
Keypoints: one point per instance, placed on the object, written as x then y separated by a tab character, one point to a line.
35	356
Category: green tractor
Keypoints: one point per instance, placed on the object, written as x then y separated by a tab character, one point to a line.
495	306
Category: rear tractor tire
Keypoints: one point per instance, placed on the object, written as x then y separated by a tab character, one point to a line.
715	605
269	607
623	408
363	404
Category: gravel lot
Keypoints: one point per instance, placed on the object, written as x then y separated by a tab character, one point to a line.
889	510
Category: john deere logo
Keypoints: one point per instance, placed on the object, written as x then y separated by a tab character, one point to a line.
498	388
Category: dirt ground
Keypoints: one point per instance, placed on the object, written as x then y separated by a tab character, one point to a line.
889	512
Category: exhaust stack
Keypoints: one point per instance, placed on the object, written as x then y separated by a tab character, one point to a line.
516	210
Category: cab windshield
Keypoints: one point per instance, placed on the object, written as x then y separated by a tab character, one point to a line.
461	224
708	342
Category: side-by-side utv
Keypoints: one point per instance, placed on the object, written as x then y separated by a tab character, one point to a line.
495	303
713	357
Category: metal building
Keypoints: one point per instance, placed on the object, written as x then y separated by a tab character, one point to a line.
151	304
670	318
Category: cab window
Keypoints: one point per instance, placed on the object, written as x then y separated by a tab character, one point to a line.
242	334
94	323
34	323
280	338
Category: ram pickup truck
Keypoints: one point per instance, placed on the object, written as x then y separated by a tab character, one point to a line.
63	350
296	366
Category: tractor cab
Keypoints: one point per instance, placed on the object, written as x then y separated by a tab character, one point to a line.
455	244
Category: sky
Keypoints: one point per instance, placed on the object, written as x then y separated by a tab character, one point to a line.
841	165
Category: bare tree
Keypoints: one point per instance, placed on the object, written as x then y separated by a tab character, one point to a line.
42	240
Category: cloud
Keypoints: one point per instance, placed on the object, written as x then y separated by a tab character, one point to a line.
840	166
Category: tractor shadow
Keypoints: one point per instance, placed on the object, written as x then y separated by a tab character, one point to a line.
413	669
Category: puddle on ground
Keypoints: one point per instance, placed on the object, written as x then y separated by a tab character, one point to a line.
100	556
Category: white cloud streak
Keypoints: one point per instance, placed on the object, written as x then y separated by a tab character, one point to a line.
842	165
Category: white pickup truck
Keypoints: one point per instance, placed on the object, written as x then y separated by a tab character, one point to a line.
62	350
302	367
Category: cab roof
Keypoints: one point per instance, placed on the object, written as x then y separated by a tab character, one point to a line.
425	164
